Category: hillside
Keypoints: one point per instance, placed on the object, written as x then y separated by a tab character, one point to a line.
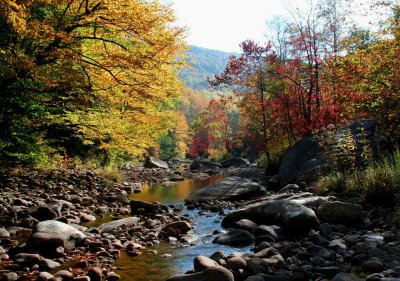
203	62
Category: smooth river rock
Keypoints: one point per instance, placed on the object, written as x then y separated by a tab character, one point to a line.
112	225
235	237
229	189
48	235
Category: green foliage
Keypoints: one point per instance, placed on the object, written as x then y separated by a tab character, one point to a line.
377	184
271	166
339	148
168	147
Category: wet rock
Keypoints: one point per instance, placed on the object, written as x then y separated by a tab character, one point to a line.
152	162
235	237
202	262
113	225
229	189
143	207
210	274
166	256
181	226
246	225
340	212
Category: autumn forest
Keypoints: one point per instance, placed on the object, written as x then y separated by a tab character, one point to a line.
105	81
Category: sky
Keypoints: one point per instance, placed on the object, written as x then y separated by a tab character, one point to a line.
223	24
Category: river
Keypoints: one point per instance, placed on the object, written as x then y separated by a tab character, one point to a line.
152	267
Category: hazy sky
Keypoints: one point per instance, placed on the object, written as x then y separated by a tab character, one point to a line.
223	24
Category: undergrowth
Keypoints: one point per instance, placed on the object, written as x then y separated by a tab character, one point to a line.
377	184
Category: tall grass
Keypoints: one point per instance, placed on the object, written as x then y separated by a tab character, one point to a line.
377	184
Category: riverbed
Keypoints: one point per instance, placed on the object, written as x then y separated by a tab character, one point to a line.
155	267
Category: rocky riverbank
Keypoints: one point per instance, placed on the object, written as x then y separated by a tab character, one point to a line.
51	225
73	225
298	236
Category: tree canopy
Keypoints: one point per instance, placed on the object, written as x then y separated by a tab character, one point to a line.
99	73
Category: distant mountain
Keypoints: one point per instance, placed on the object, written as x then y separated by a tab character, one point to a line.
203	62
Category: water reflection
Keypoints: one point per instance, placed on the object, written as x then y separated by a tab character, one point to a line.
151	267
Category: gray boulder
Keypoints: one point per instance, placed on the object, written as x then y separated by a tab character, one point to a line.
303	162
238	161
229	189
48	235
265	213
235	237
152	162
210	274
205	166
112	225
296	218
293	217
340	212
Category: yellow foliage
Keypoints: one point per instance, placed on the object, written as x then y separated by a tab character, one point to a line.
118	61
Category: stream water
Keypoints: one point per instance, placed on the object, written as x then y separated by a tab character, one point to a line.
151	267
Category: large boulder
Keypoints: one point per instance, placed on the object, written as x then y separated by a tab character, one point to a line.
113	225
235	237
229	189
340	212
143	207
303	162
265	213
297	219
238	161
152	162
218	273
293	217
48	235
205	166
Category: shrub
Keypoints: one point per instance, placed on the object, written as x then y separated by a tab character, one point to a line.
112	174
377	184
